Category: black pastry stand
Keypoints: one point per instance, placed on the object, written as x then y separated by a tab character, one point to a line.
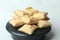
38	34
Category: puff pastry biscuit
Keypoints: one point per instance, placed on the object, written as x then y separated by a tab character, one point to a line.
40	15
33	20
30	11
16	22
19	13
43	23
29	29
25	19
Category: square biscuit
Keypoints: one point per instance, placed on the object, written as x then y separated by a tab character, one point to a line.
40	15
16	22
29	29
30	11
43	23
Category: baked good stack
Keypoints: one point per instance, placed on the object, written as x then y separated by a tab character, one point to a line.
29	20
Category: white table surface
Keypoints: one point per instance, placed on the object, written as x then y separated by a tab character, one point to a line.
51	6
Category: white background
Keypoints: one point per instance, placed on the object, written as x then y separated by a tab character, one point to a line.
51	6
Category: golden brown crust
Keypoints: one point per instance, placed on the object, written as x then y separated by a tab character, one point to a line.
19	13
16	22
30	10
29	29
43	23
25	19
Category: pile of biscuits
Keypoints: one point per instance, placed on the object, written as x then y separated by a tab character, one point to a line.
29	20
